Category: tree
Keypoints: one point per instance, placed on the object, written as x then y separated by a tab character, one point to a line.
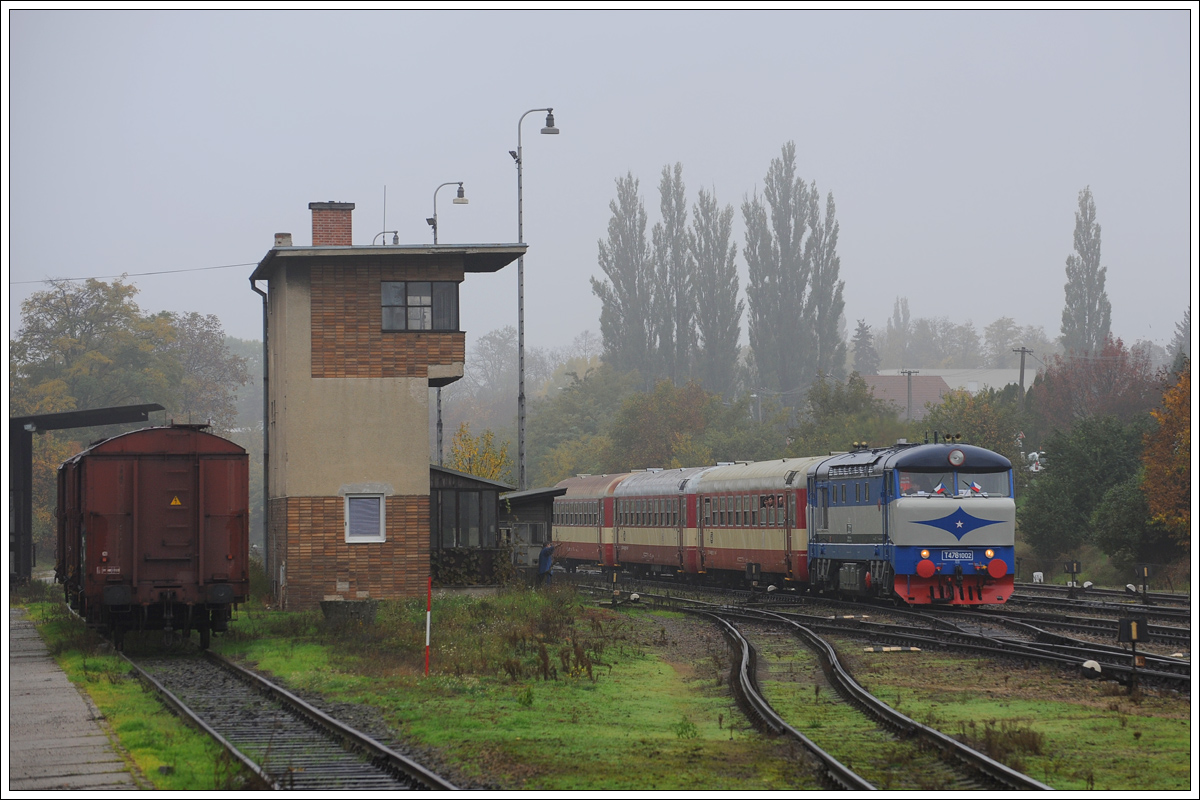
1004	336
1180	349
674	293
626	314
686	426
1081	465
866	360
479	455
718	309
89	346
580	412
777	292
1167	461
1123	528
1087	313
989	418
212	374
1112	381
825	304
651	426
893	345
840	413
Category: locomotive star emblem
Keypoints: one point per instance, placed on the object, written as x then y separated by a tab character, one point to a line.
960	523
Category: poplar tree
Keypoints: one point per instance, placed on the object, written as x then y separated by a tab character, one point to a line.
626	296
674	295
778	285
825	303
718	308
1087	313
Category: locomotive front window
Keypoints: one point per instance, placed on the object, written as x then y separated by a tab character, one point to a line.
927	483
993	484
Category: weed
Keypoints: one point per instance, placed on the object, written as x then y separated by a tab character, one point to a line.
1003	741
685	728
525	698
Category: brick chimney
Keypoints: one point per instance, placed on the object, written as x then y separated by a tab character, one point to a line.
331	223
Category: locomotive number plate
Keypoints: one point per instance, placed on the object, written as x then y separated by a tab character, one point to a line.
957	555
108	570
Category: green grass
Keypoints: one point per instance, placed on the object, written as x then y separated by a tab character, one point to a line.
168	754
1069	733
531	691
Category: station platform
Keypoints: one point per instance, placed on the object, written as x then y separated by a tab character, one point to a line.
56	736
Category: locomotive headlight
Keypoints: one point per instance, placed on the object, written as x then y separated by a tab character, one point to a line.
924	554
957	457
990	553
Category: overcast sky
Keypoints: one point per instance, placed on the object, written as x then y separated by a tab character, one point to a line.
955	145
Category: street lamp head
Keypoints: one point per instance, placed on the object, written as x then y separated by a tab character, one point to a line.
513	153
432	221
550	123
461	200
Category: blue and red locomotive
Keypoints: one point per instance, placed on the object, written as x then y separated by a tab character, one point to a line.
924	523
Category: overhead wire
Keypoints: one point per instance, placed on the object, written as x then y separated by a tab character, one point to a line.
137	274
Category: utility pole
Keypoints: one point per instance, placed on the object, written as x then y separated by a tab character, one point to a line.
1023	351
910	373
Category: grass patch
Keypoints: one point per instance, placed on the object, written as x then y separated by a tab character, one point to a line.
1069	733
530	690
167	753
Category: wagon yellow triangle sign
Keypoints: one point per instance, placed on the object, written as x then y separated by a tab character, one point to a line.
175	501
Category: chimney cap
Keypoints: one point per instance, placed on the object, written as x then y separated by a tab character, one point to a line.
331	206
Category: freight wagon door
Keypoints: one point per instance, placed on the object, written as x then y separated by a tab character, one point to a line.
224	487
167	526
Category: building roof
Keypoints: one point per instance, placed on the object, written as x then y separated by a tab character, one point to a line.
544	492
475	257
894	389
973	380
457	478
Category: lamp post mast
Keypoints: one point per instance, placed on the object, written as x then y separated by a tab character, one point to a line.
521	295
461	199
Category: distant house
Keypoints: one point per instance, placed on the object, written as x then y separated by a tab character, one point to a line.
972	380
894	390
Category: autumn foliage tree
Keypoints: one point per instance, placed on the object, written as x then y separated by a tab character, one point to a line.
1167	458
479	455
1114	382
990	418
85	345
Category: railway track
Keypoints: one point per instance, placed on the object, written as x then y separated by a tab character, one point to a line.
960	767
289	744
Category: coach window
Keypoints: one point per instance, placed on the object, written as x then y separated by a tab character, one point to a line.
364	518
419	305
708	511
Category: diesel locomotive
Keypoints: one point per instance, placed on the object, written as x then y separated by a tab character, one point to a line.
921	523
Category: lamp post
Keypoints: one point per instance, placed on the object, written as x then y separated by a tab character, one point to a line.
460	200
516	154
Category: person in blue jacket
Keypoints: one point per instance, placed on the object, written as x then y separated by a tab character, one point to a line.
545	562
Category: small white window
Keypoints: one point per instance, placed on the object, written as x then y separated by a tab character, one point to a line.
365	518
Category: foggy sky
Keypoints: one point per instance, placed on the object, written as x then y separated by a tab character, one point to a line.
955	144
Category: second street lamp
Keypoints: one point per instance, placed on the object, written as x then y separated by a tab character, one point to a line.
516	154
460	200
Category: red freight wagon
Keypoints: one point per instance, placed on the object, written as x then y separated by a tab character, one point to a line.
153	531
